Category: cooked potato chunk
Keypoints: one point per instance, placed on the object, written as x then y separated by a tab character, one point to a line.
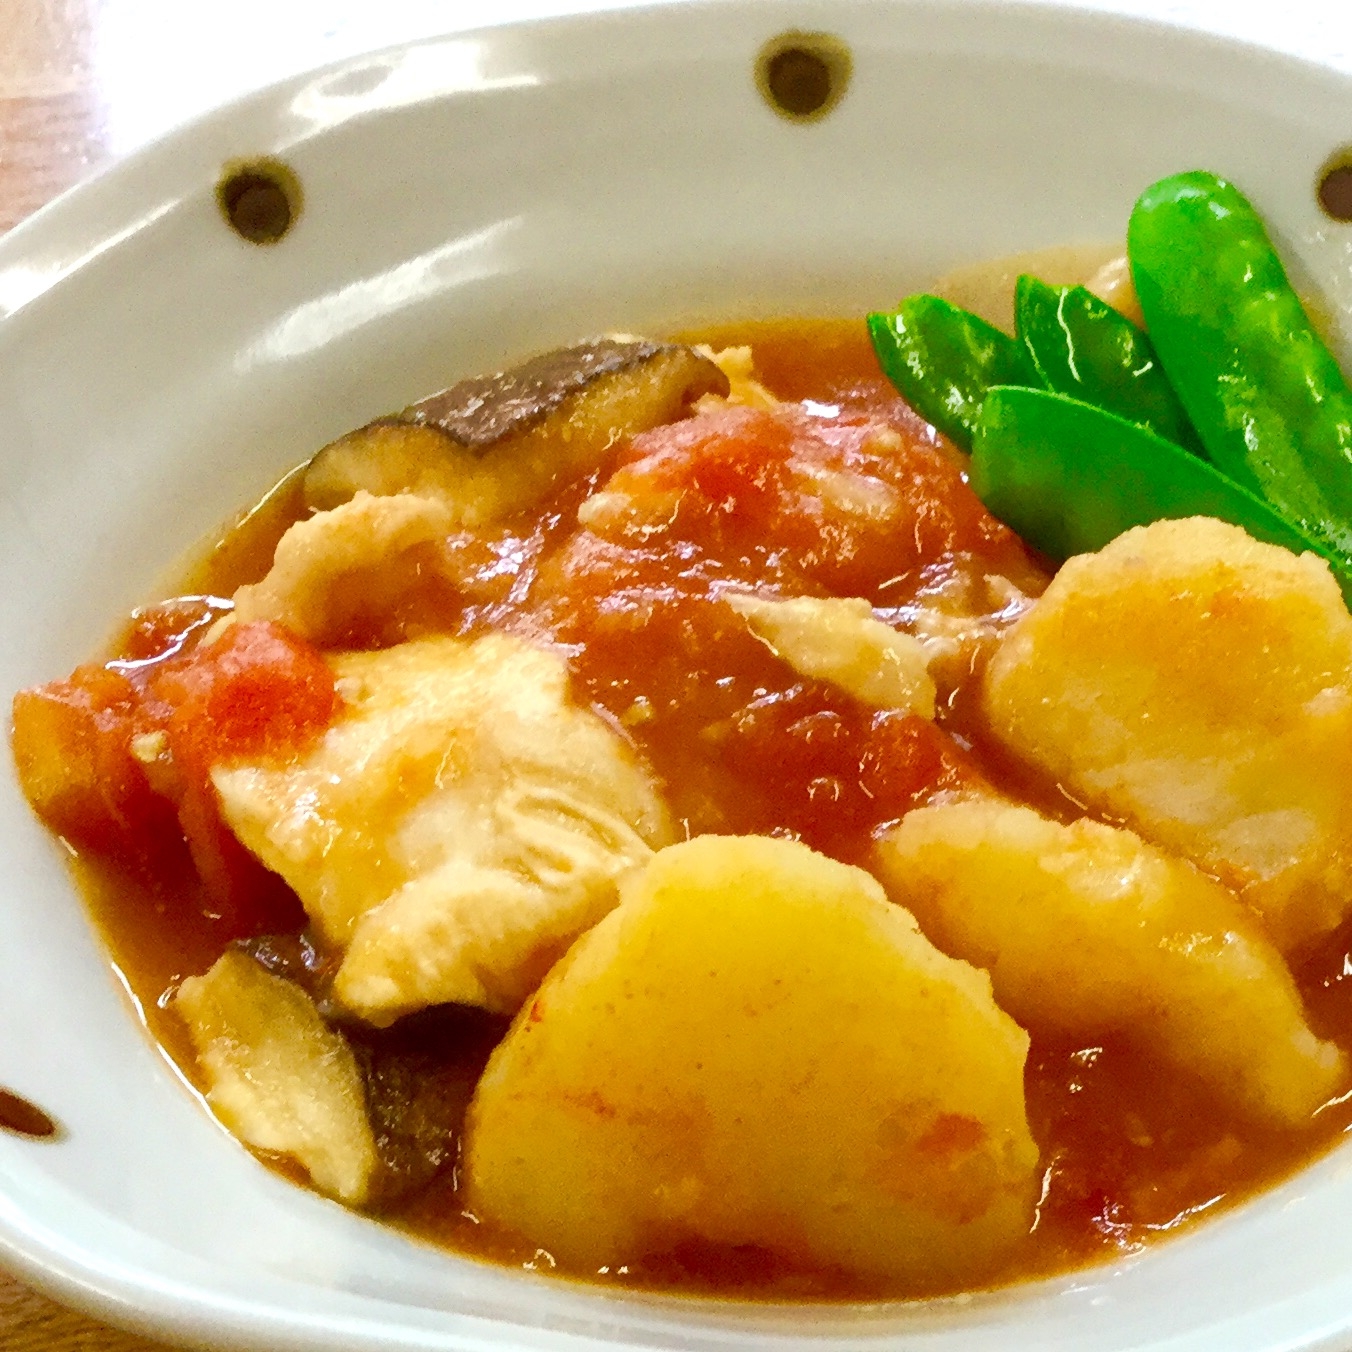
277	1076
456	828
348	568
840	641
495	444
1086	930
1199	685
756	1049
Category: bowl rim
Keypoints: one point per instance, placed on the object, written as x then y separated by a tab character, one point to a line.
104	212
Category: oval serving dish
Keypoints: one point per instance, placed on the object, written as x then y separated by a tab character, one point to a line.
468	200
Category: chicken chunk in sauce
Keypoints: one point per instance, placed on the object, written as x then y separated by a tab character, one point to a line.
458	825
1089	932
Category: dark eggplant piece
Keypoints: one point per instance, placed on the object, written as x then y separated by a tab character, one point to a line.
420	1075
493	445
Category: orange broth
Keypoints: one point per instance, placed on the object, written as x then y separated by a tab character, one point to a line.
741	744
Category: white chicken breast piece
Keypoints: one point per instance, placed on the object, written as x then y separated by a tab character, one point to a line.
345	567
738	364
1086	930
277	1076
755	1048
456	828
840	641
1198	685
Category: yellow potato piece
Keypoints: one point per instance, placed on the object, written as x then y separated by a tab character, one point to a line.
1086	930
456	828
755	1048
277	1076
1198	685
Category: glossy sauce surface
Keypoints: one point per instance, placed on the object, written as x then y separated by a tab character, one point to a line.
742	744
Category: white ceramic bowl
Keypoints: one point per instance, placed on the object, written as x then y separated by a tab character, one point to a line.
467	200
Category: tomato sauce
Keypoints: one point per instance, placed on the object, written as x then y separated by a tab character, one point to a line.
847	494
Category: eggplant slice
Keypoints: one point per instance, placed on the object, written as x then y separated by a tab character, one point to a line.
493	445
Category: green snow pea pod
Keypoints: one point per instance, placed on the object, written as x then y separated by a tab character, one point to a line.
1069	477
943	359
1265	394
1079	345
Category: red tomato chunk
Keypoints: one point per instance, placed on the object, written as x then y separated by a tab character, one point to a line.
114	756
